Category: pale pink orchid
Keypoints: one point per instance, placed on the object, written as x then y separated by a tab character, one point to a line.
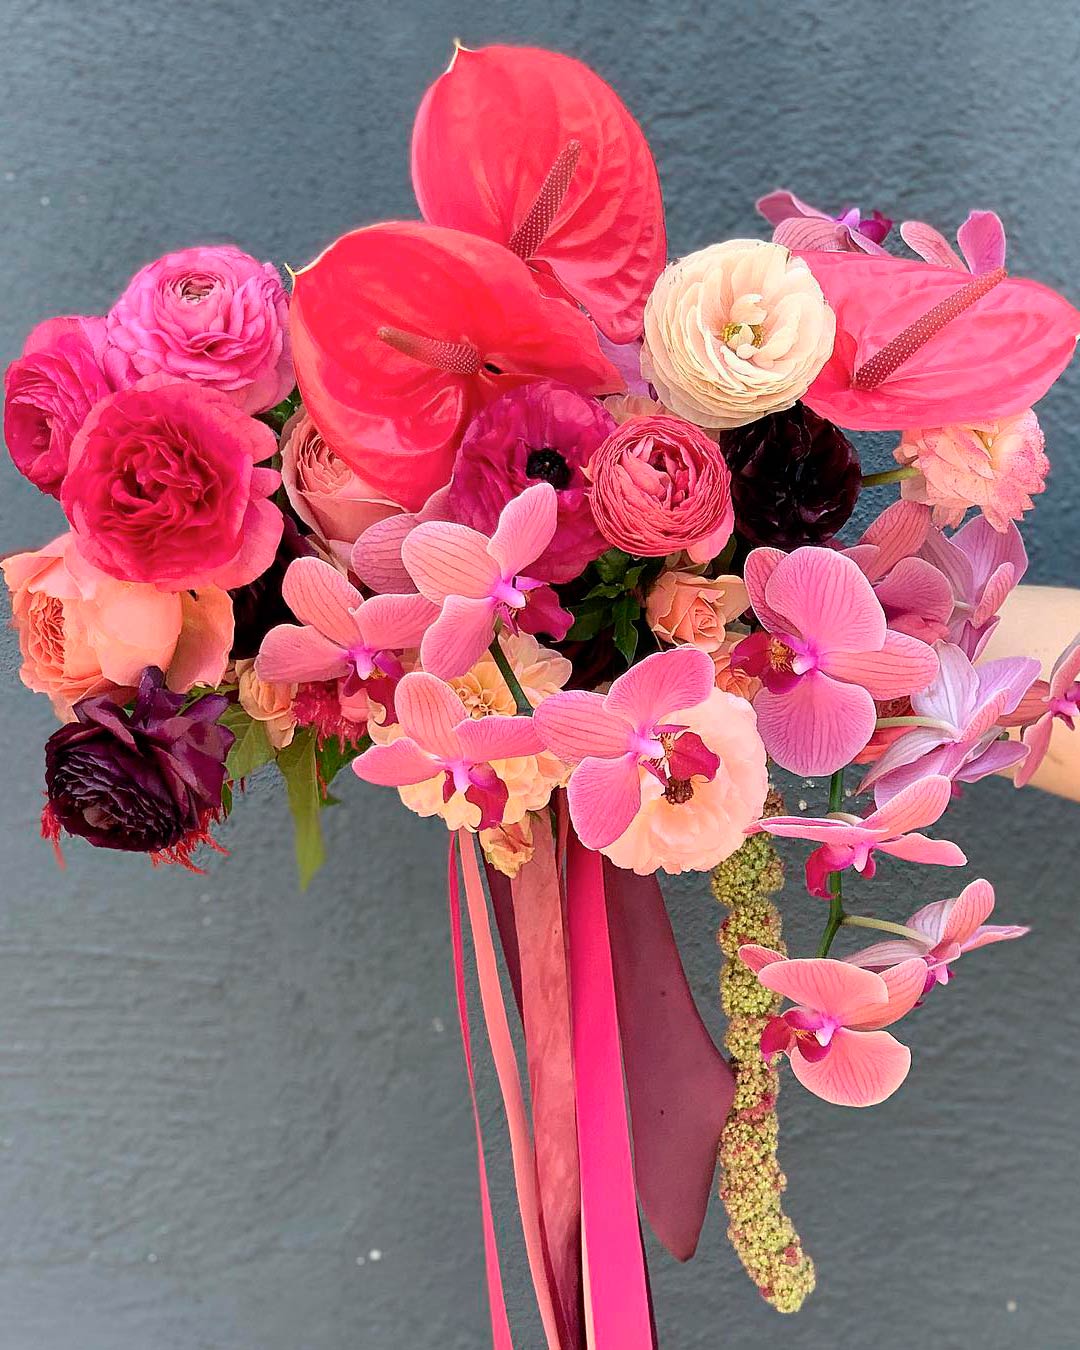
942	932
797	225
376	555
981	239
959	737
1058	699
441	739
481	583
982	565
833	1036
850	841
915	595
826	653
611	737
341	636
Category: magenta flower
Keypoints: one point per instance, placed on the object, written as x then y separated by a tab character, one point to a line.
983	566
915	595
981	239
833	1036
541	432
947	929
848	841
961	739
480	582
441	738
1058	699
824	656
800	226
341	636
610	737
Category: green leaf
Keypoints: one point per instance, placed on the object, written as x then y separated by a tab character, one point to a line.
299	768
277	416
626	611
612	565
331	758
606	590
251	749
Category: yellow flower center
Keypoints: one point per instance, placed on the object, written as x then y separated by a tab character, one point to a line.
736	335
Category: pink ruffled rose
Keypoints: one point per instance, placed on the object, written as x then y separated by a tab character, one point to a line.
48	392
214	315
685	609
163	487
998	467
660	485
328	496
83	632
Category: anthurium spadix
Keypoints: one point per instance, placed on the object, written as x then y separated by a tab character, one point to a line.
534	150
919	345
402	331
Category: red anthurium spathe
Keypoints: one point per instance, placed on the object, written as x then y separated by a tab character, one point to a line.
402	331
919	345
534	150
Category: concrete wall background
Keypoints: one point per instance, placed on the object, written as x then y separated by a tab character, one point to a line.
220	1099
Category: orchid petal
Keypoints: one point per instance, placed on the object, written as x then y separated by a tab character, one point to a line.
1009	678
448	559
835	988
982	241
526	527
429	712
906	984
930	244
756	957
954	696
989	933
399	764
903	666
828	599
393	622
919	849
293	655
760	564
897	533
576	725
484	739
320	596
459	637
604	797
914	808
817	727
883	955
862	1068
664	683
1037	738
376	555
968	911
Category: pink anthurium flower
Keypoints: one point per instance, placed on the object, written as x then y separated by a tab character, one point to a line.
442	739
915	595
850	841
479	582
1060	699
826	653
532	149
982	565
402	331
899	326
610	737
797	225
961	739
342	636
833	1036
981	239
947	929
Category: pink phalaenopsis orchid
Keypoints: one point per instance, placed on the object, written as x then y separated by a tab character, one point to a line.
982	565
850	841
342	636
915	595
833	1036
981	239
826	653
942	932
480	582
611	737
1057	700
959	738
796	224
441	739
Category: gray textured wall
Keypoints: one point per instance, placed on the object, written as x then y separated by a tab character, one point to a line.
233	1117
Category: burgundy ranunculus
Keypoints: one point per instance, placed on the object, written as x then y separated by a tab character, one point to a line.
538	433
259	606
146	781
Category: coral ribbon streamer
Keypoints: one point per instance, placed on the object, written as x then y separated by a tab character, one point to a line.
617	1300
506	1068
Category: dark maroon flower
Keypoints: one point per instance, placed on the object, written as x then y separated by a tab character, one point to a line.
258	606
146	781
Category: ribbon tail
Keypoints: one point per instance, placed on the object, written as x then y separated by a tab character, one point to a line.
679	1084
617	1299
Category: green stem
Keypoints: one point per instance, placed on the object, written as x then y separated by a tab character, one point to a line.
524	707
889	476
862	921
935	722
836	884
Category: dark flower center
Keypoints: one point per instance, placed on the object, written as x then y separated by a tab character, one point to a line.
548	465
678	791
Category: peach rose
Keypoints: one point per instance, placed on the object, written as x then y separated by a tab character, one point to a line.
82	632
735	331
508	847
684	609
731	681
324	492
268	702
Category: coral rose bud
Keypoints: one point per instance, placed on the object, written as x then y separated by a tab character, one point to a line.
685	609
735	331
661	485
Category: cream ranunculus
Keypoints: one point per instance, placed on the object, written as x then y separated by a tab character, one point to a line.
735	331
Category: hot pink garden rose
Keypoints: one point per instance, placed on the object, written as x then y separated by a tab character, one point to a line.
48	392
163	487
82	632
660	485
213	315
324	491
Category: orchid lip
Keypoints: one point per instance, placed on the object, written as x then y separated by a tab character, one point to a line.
506	593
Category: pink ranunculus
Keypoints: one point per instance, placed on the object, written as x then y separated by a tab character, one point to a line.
83	632
48	392
163	487
660	484
542	432
324	491
683	608
213	315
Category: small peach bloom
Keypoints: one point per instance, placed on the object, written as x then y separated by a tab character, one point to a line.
539	671
268	702
508	847
624	406
736	682
683	608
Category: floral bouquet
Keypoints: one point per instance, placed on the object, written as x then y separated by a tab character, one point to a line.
505	511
